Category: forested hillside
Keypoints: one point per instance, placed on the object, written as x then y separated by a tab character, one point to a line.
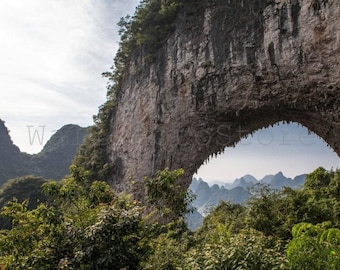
55	158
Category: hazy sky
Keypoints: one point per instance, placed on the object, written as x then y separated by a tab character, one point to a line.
52	56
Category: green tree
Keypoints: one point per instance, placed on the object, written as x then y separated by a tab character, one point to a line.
84	226
113	240
36	239
248	249
321	191
276	212
168	250
26	188
318	179
231	216
166	194
314	247
170	239
264	212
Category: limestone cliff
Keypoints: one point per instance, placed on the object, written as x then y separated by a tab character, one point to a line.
230	68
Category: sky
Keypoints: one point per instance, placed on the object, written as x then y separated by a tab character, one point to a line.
52	56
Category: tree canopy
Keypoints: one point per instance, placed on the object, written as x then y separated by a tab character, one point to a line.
84	224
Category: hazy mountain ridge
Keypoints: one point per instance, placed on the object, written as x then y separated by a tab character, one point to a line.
52	162
55	158
237	191
276	181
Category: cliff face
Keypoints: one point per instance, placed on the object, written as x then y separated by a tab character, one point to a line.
230	68
12	161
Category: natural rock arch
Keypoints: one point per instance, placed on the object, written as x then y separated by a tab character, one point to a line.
224	73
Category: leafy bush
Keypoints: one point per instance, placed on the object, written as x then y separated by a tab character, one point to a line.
314	247
26	188
84	226
248	249
165	193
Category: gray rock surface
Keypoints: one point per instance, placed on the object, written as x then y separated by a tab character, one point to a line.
224	73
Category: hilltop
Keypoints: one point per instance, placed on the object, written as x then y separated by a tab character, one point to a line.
52	162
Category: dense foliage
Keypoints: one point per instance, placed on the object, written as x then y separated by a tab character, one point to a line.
167	195
82	226
27	188
85	225
314	247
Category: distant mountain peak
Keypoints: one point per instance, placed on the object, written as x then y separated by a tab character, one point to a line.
276	181
236	192
4	135
52	162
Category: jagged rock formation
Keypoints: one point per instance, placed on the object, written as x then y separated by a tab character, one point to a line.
230	68
52	162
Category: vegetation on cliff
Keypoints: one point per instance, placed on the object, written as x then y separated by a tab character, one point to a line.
146	31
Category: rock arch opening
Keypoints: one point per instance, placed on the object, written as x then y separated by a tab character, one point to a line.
278	156
210	136
284	147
